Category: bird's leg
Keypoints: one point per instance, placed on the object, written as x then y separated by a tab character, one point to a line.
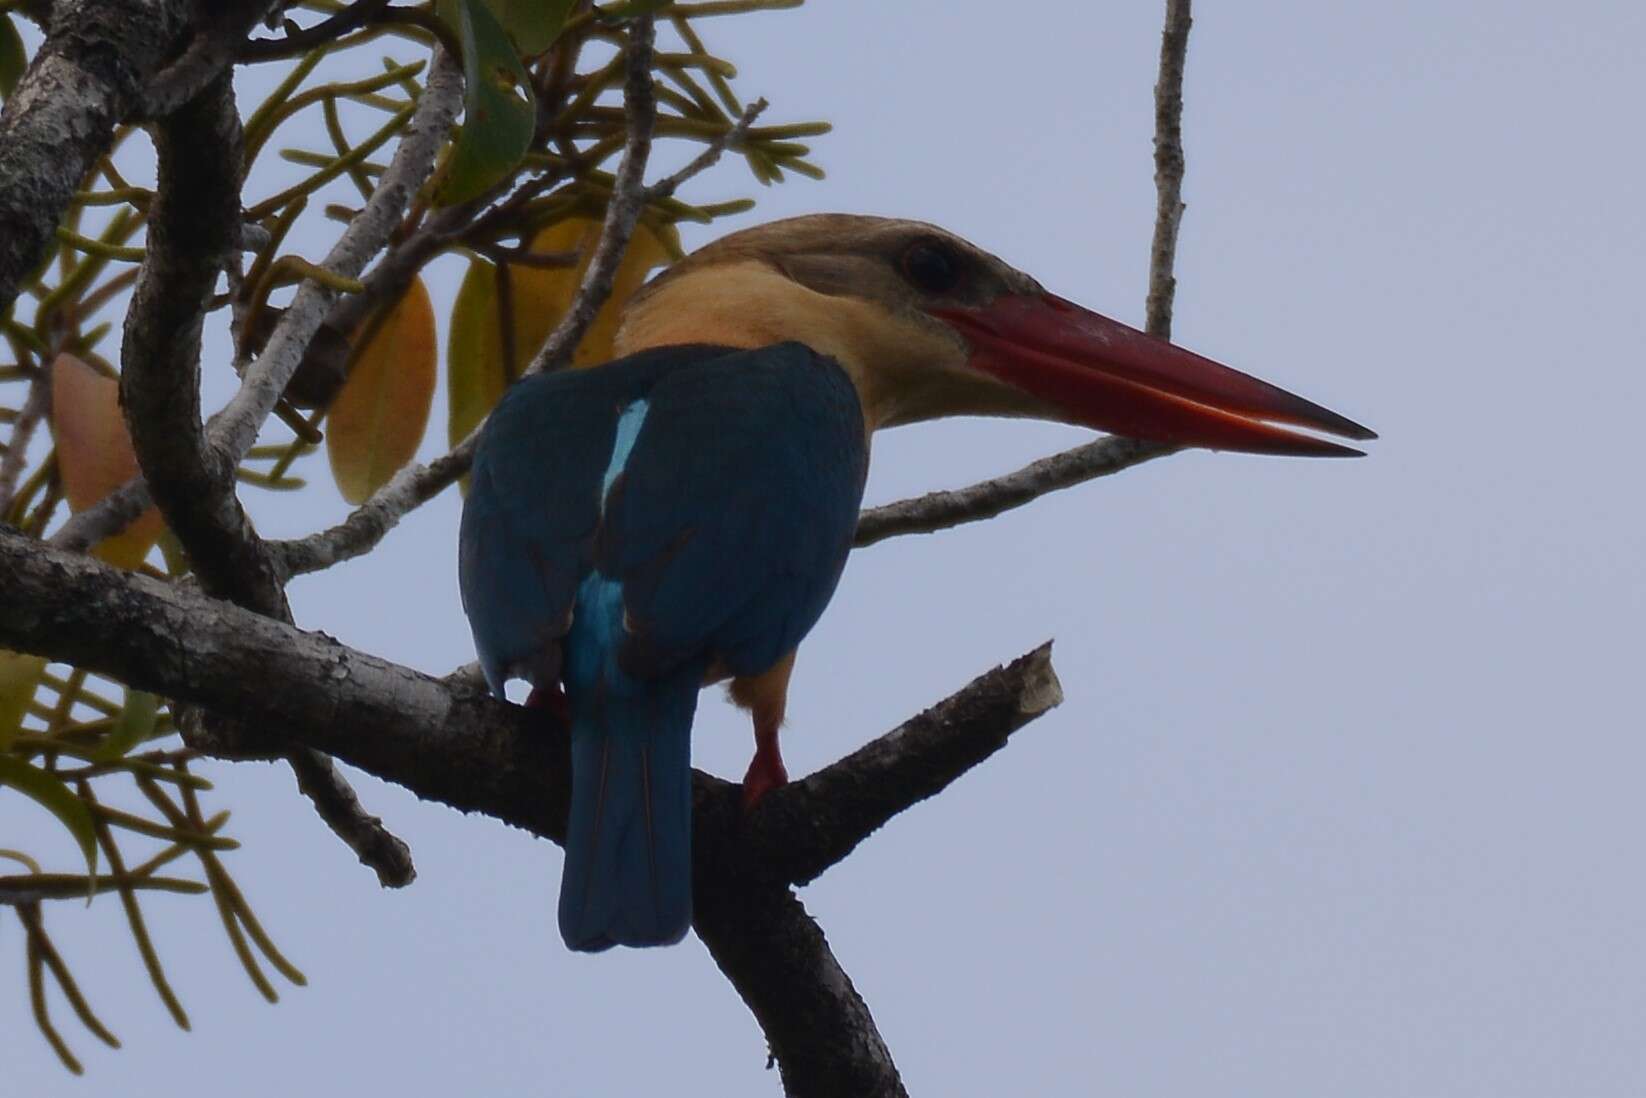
765	696
766	770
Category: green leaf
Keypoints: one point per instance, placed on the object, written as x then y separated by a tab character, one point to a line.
19	676
12	58
375	424
56	797
499	113
533	24
134	725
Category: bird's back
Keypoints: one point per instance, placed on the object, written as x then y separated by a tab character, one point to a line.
628	527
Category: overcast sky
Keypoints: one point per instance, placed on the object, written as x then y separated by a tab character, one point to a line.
1345	797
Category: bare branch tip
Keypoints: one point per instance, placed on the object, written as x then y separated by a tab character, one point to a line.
1041	691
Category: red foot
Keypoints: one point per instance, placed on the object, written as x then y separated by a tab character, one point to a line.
552	701
765	774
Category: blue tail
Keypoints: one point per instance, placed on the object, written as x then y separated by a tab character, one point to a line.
628	876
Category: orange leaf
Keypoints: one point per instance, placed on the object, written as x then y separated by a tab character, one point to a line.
378	418
543	296
94	453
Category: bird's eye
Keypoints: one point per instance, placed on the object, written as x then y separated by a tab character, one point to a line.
931	267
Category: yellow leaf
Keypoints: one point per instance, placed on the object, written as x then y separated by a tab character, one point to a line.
379	416
19	676
94	453
477	373
545	295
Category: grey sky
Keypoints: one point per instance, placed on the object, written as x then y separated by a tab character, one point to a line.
1345	795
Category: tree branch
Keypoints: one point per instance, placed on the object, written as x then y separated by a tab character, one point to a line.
818	1027
223	26
194	229
622	210
448	740
818	821
941	510
234	429
22	433
294	42
415	485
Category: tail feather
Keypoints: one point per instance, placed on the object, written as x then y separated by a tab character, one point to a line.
627	879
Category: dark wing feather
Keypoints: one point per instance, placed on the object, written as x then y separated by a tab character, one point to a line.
728	527
533	507
735	513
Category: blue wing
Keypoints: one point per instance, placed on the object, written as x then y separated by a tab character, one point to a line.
728	524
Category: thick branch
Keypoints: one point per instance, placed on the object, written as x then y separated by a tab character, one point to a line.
194	226
223	26
819	1029
88	76
448	740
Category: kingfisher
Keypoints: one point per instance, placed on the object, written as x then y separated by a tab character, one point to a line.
681	515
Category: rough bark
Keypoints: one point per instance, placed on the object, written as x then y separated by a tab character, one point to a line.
88	76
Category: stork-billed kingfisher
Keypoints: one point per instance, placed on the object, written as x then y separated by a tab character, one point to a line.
681	515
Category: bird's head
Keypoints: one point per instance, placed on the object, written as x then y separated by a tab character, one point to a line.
929	325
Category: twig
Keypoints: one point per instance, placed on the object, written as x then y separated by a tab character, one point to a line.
942	510
22	433
416	485
628	198
376	846
1168	166
353	17
732	139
